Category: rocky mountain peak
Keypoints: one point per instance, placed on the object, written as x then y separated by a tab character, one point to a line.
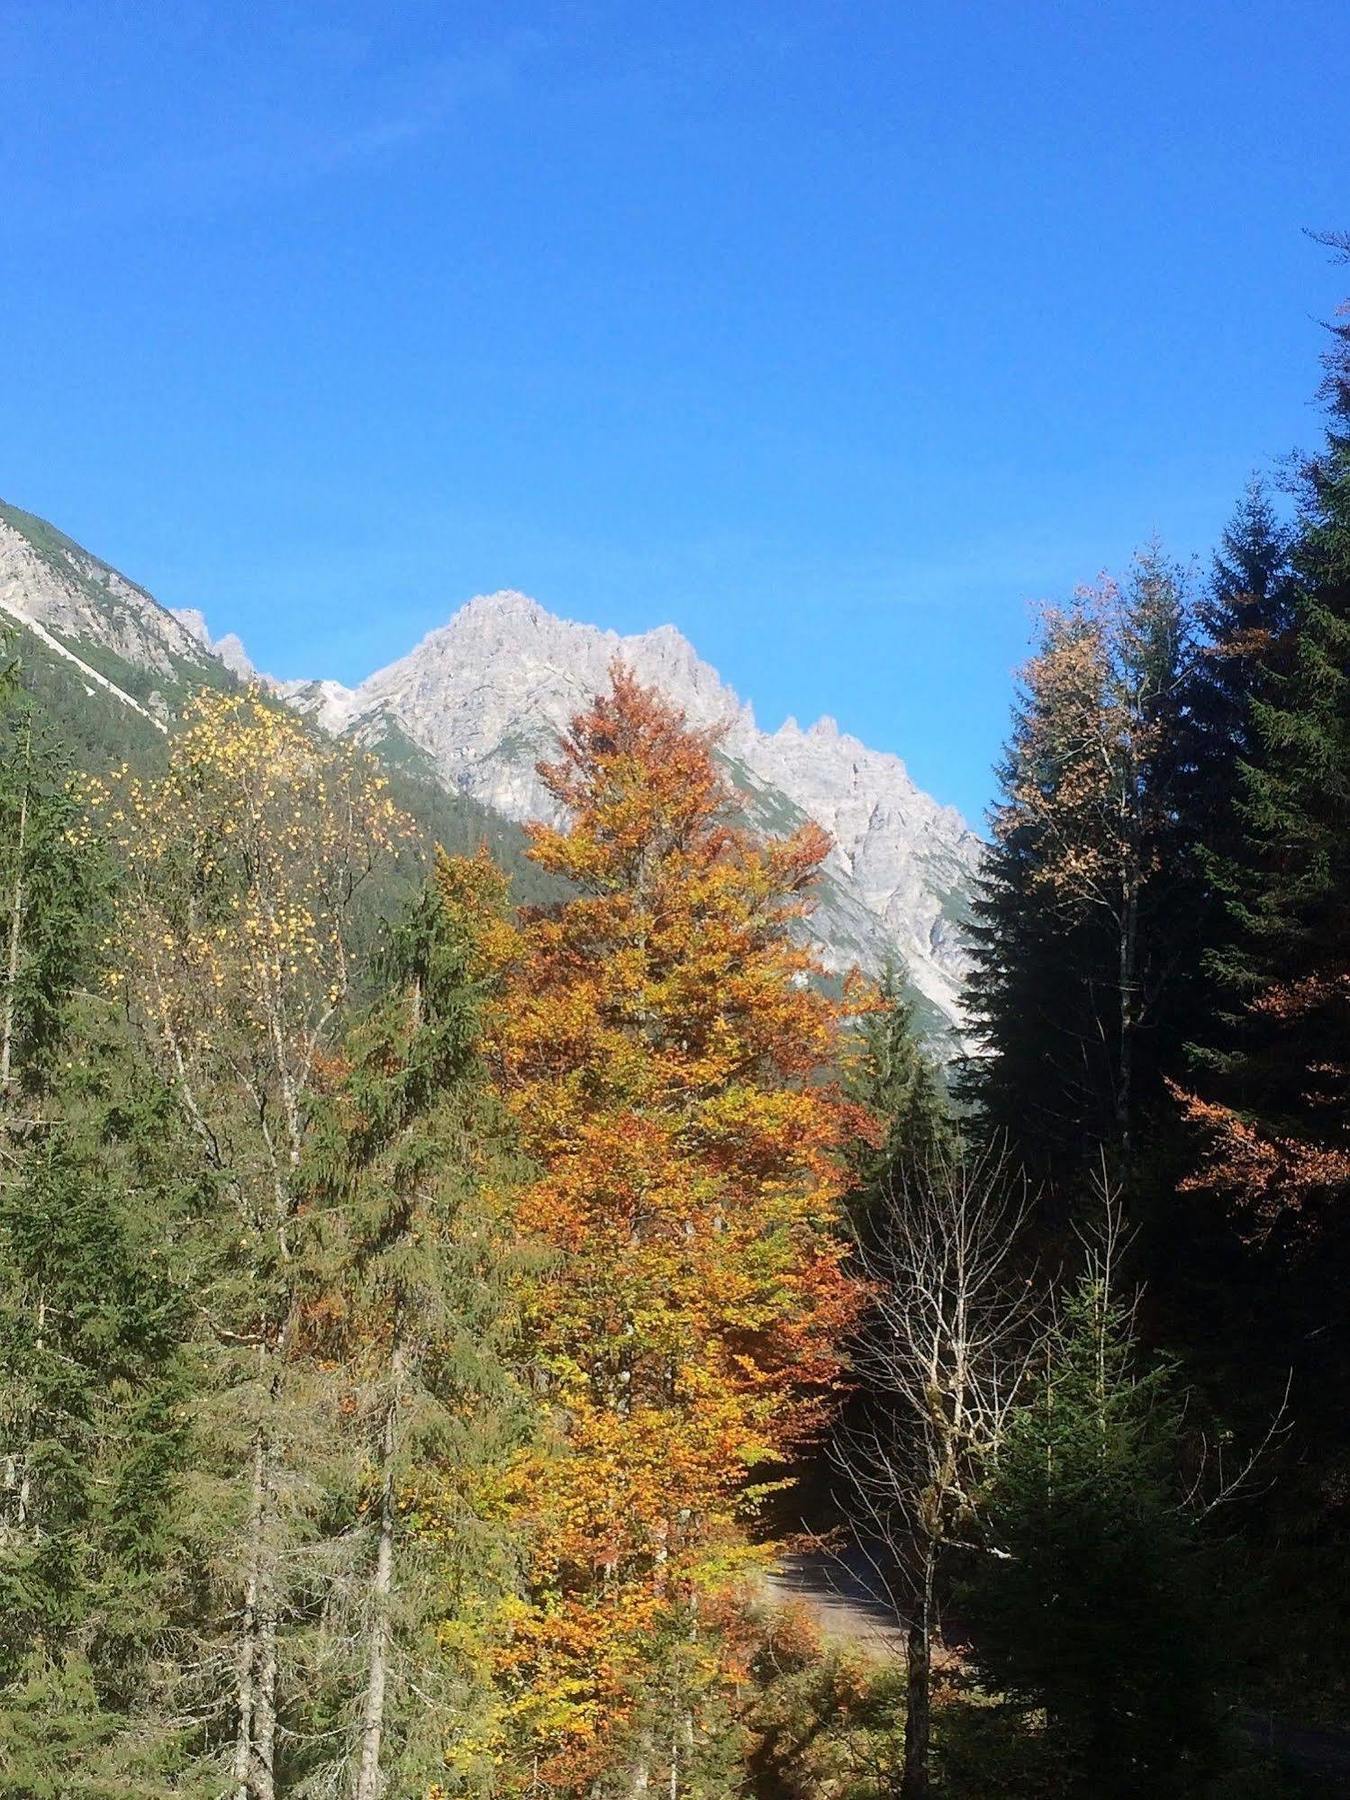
481	700
484	696
228	649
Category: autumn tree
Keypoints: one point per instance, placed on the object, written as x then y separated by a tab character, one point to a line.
662	1047
1073	951
239	868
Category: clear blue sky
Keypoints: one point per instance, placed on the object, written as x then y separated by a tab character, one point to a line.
833	333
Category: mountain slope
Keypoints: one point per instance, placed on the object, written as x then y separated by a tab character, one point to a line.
48	580
465	716
110	668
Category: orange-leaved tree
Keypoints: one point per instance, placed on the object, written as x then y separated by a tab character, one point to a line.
667	1057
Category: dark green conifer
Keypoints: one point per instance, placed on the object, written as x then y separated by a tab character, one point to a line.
895	1078
406	1260
1274	1069
1090	1606
92	1363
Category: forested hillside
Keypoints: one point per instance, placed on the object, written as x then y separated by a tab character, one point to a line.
445	1270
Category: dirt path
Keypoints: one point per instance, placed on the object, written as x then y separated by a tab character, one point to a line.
844	1598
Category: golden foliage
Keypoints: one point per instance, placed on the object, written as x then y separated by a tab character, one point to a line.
661	1047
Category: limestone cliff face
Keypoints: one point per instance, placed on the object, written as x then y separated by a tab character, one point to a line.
49	580
485	695
482	699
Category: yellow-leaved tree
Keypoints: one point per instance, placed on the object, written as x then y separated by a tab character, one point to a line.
232	951
665	1052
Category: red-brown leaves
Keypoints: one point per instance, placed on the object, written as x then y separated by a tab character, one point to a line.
661	1047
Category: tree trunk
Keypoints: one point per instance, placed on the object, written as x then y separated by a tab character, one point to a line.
253	1766
25	1502
1127	975
12	957
248	1630
641	1780
368	1782
265	1705
918	1685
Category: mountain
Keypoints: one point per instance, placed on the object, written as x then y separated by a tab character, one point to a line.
111	668
484	696
84	612
469	712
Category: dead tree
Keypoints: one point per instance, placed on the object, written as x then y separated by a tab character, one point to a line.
941	1356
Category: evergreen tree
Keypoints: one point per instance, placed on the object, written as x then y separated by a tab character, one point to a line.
1246	623
1034	1081
901	1090
94	1570
92	1363
234	951
1276	1109
49	884
1093	1606
409	1292
1268	1093
1073	948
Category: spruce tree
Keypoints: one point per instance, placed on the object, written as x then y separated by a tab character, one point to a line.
92	1364
49	887
1092	1607
95	1574
901	1089
1274	1087
1245	636
1074	912
409	1290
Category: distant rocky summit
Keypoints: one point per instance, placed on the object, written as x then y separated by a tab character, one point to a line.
480	700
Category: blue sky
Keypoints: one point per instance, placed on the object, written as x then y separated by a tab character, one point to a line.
835	334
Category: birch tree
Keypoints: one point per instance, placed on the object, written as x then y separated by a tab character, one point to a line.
240	867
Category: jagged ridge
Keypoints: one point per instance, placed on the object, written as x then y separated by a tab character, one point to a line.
480	700
484	695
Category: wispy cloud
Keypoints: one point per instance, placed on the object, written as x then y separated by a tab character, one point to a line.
281	150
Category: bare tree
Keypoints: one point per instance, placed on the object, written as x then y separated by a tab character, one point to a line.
942	1356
